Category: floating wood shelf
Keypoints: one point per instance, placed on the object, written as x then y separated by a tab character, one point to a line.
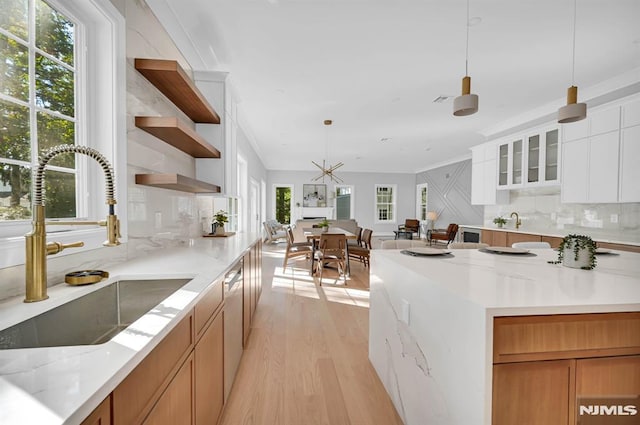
169	77
176	182
179	135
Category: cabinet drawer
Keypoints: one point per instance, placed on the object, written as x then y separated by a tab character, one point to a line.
134	397
548	337
101	415
208	305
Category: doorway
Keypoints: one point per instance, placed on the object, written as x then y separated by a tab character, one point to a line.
282	195
344	202
254	204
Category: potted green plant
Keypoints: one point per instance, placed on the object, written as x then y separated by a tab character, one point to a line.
577	251
218	221
500	221
324	224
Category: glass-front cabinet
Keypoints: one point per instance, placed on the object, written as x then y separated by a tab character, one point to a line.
529	159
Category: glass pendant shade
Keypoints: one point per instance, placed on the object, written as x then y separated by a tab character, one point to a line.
467	103
572	111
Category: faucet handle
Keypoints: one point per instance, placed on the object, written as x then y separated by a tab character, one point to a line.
56	247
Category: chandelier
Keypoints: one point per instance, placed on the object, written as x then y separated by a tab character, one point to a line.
326	168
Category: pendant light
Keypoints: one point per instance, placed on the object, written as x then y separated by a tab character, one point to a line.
572	111
326	168
467	103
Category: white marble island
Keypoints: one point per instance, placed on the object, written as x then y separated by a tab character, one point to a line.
431	320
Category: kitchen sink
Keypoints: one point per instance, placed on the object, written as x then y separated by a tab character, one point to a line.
94	318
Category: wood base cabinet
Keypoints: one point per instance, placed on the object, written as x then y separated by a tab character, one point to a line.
175	406
101	415
209	382
546	367
535	393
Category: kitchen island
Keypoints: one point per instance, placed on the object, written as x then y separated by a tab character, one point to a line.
63	385
432	322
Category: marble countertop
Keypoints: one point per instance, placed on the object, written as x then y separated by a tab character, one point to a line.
62	385
551	232
527	284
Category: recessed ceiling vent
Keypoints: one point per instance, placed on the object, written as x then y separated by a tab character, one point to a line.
442	98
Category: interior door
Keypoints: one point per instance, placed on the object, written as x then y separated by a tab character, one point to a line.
254	205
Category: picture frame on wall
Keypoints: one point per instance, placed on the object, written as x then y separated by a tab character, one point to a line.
314	195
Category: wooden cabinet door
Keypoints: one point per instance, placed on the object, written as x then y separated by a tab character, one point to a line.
607	376
533	393
246	299
209	372
101	415
175	406
513	237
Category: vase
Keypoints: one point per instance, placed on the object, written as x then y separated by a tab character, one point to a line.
220	230
500	225
325	229
583	260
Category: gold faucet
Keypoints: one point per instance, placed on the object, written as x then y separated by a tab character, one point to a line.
36	244
518	221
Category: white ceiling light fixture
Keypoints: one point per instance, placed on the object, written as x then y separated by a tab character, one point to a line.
326	168
467	103
572	111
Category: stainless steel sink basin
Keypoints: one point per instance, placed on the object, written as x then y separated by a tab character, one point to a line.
94	318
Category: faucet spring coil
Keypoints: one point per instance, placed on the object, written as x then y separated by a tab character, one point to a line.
48	155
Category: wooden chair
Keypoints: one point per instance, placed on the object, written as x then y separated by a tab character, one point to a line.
332	248
296	249
447	236
358	241
410	225
361	252
274	231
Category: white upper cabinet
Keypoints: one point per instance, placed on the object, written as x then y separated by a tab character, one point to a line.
600	155
483	176
529	159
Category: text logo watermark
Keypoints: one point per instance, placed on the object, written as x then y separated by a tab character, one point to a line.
608	410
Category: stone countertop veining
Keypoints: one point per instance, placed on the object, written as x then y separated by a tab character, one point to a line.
62	385
551	232
527	284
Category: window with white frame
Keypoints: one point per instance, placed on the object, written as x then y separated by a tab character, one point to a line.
421	201
62	81
385	208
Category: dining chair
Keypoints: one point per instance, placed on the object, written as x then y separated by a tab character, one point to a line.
361	253
332	249
296	249
531	245
358	240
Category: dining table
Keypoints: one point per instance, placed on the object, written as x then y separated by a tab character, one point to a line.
313	235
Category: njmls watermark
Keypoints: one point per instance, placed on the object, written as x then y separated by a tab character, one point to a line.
608	410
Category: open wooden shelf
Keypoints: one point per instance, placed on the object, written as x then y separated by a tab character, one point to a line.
179	135
176	182
169	77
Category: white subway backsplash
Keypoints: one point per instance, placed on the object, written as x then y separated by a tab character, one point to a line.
542	212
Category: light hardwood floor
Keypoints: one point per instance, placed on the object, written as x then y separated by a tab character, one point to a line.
307	358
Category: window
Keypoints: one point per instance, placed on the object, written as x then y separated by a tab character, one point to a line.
421	201
37	107
385	203
62	65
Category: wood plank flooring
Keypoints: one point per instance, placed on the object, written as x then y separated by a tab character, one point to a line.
307	358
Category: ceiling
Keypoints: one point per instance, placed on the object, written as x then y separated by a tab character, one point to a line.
375	68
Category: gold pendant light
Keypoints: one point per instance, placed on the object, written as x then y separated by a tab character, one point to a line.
572	111
326	168
467	103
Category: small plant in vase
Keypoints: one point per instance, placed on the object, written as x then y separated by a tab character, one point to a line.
324	225
500	221
577	251
218	221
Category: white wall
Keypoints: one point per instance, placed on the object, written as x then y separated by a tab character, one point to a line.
364	194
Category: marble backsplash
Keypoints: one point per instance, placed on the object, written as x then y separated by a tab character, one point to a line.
542	211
